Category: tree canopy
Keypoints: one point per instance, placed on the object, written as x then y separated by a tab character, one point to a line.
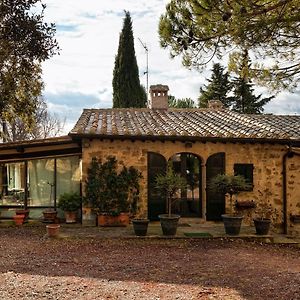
244	99
218	88
127	90
180	103
26	41
202	29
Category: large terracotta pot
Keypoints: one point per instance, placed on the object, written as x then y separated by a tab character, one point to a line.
70	217
24	212
107	220
123	219
19	219
50	216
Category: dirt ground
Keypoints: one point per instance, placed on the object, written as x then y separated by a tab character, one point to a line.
35	267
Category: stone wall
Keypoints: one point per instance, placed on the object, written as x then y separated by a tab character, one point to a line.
293	194
266	158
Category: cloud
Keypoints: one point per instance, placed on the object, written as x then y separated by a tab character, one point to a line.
285	103
88	35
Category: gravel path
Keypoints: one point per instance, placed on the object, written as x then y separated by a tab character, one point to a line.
34	267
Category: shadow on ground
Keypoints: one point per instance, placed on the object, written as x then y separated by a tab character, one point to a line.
257	271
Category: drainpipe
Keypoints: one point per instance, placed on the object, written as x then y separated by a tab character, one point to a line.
284	189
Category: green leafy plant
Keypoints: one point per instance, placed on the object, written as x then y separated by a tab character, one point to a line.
69	201
170	183
111	191
229	184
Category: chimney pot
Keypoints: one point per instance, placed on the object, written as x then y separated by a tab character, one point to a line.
159	96
215	104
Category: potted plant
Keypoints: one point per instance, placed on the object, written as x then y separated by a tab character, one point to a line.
170	183
111	193
70	204
22	213
19	219
263	212
50	214
230	185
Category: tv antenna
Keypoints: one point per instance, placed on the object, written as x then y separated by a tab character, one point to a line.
147	67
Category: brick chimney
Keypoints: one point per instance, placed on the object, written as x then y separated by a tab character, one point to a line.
159	96
215	104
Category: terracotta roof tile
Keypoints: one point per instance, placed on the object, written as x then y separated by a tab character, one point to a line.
185	122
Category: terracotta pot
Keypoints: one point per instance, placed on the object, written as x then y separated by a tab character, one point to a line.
24	212
19	219
52	230
107	220
70	216
49	216
123	219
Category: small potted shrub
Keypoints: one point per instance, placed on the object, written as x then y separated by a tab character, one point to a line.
70	203
50	214
230	185
170	184
263	212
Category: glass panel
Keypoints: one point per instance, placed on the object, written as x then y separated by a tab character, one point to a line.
68	173
12	182
189	203
40	182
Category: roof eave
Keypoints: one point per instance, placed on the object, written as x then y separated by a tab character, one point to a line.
291	142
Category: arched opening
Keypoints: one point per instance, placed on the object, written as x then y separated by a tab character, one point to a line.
215	201
189	203
156	203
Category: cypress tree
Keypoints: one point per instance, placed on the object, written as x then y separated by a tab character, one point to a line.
127	90
218	88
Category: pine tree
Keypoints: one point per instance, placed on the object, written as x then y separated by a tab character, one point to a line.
127	90
218	88
244	99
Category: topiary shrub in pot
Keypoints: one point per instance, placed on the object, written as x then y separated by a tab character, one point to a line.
70	203
170	184
230	185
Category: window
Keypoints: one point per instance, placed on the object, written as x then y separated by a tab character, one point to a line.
245	170
12	183
39	180
67	175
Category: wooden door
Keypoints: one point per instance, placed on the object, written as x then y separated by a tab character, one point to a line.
215	201
156	201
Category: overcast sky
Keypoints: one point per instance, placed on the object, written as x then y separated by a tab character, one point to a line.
88	35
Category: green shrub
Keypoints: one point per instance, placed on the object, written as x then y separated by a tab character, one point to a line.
69	201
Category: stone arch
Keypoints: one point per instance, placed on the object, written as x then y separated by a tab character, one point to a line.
189	166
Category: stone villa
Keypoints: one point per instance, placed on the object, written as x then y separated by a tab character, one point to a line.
201	143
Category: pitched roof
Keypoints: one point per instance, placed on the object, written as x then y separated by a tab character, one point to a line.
192	123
